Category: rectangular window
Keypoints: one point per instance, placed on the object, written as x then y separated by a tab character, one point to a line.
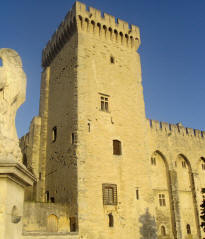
117	149
104	102
137	193
109	194
162	201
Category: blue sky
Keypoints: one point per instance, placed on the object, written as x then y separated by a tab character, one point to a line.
172	51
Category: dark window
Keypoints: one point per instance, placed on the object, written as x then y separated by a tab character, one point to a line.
183	164
73	138
188	229
137	193
47	196
111	220
39	176
52	199
112	60
163	231
73	224
153	161
117	150
54	134
162	201
109	194
104	103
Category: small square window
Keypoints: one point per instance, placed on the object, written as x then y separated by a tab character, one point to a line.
162	201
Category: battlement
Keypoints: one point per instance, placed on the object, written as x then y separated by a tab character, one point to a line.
177	129
91	20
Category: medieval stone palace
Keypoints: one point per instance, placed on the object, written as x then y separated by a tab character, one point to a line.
96	167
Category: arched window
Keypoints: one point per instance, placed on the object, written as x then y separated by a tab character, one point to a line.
111	220
163	231
117	149
188	229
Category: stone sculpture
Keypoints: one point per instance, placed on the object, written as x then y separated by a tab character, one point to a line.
12	96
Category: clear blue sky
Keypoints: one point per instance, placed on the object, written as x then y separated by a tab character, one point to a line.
172	51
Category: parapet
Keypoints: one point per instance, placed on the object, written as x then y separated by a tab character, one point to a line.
177	129
79	18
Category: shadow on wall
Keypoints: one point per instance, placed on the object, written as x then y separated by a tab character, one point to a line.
148	229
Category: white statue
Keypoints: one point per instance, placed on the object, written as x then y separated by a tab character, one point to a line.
12	96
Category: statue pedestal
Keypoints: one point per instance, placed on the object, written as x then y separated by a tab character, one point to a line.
13	178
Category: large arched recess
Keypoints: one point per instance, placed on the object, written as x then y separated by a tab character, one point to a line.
163	199
200	185
187	197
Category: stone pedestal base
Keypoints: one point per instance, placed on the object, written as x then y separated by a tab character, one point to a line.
13	178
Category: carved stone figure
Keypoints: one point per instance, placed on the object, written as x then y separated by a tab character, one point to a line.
12	96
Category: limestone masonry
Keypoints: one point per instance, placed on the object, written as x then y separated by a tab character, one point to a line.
101	169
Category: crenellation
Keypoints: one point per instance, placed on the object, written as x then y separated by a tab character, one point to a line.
178	129
79	14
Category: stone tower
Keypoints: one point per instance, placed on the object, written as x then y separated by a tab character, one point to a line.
94	126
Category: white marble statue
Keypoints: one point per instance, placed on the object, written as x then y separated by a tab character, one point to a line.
12	96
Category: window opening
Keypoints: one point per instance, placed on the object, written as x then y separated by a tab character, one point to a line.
111	220
117	149
54	134
162	201
188	229
52	199
153	161
109	194
163	231
137	193
112	60
203	166
88	127
47	196
73	138
104	103
73	224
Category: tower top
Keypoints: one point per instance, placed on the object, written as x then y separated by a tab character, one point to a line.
70	24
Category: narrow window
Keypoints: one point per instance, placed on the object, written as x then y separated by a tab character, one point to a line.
104	103
73	224
203	166
54	134
112	60
47	196
153	161
88	127
183	164
111	220
39	176
52	199
162	201
163	231
73	138
117	149
109	194
137	193
188	229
